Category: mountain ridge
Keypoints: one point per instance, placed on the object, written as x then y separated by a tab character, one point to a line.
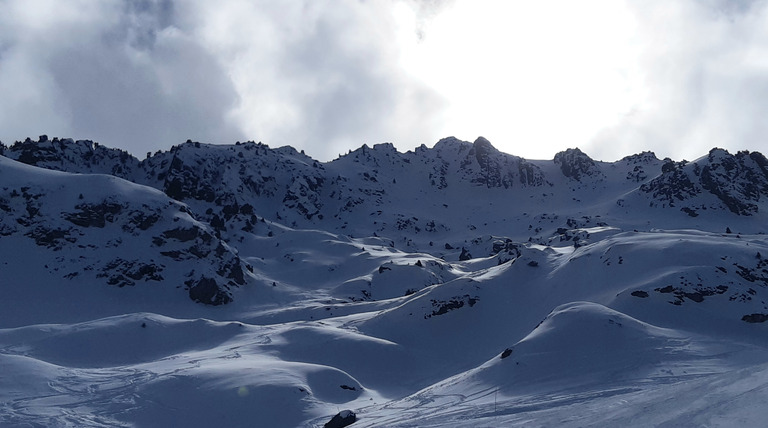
293	188
446	193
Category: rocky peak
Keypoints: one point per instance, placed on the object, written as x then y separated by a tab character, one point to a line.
675	184
385	148
484	164
380	155
739	182
82	156
644	165
219	180
451	148
483	149
576	165
646	158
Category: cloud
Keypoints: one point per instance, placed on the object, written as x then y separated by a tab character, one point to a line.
705	77
318	74
119	72
425	11
611	77
143	75
533	77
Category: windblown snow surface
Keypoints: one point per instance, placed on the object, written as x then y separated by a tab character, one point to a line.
453	286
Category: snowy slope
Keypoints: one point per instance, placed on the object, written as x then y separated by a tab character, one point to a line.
243	285
586	364
76	238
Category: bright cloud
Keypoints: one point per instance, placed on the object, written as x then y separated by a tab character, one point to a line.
533	77
326	76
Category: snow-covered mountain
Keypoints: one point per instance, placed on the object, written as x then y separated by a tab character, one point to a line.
245	285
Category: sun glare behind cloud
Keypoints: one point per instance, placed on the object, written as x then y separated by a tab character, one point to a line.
530	76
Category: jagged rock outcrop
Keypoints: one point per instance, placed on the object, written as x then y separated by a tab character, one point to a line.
81	156
482	164
232	188
497	169
738	182
673	185
644	165
114	232
576	165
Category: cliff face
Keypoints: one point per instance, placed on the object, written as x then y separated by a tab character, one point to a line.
737	182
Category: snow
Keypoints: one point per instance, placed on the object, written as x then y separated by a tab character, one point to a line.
638	322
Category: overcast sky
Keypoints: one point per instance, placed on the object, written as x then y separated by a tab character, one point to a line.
611	77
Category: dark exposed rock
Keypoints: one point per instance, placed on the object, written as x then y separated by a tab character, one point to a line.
641	163
529	174
576	165
140	271
738	181
491	174
50	238
497	169
696	296
232	270
508	246
755	318
693	292
94	215
640	293
757	274
646	157
342	419
175	255
505	250
182	235
82	156
184	181
673	185
123	273
465	255
457	302
143	220
119	280
207	291
689	211
507	352
5	205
